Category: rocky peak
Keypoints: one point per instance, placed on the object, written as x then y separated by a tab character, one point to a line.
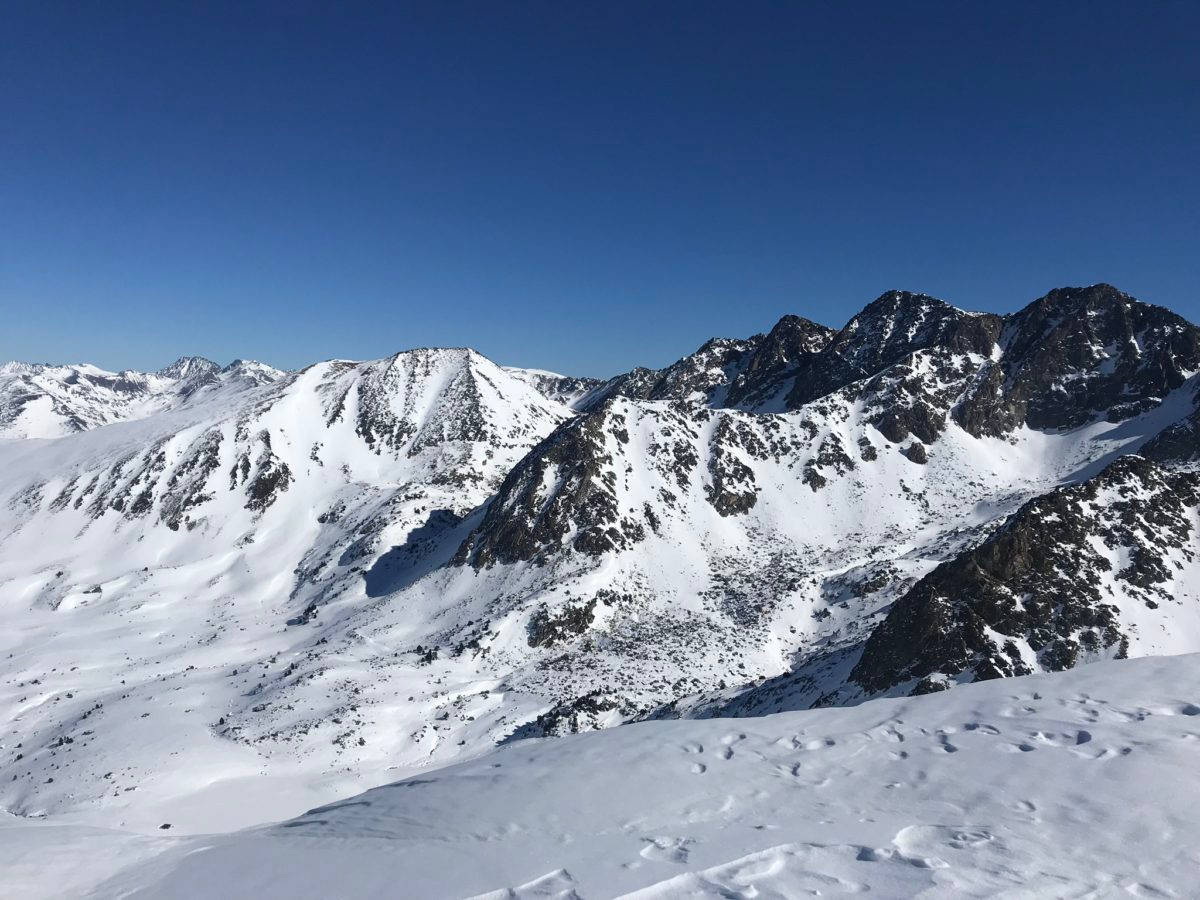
420	399
704	375
189	367
778	356
900	322
1078	353
791	337
1081	321
887	331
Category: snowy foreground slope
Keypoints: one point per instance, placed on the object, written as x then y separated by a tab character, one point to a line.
1080	784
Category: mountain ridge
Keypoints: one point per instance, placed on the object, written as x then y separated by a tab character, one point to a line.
401	562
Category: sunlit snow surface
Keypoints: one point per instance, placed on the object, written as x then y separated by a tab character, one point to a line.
1081	784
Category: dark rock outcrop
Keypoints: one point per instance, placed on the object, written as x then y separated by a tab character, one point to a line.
1078	353
565	486
1041	582
886	332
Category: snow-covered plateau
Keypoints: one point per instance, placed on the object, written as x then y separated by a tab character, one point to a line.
231	594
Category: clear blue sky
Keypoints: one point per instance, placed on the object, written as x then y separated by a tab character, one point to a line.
582	187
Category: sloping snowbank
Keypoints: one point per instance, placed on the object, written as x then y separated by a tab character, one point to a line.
1083	783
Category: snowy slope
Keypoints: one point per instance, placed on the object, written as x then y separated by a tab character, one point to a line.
1077	785
566	389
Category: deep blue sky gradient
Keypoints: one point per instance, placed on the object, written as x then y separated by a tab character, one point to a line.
582	187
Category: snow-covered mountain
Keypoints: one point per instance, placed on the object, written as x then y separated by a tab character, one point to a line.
163	558
335	576
42	401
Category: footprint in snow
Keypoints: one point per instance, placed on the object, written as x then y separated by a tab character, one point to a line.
1014	748
919	845
797	772
666	849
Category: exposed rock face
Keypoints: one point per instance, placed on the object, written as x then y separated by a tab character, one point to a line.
261	472
564	488
394	412
194	368
773	365
888	331
747	374
1176	444
545	629
1077	353
1046	591
700	376
186	488
732	488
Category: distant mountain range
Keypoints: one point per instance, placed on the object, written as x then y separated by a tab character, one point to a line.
42	401
210	572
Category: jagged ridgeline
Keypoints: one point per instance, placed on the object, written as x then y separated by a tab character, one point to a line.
396	562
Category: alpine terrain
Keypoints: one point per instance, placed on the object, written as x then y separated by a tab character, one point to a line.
231	594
